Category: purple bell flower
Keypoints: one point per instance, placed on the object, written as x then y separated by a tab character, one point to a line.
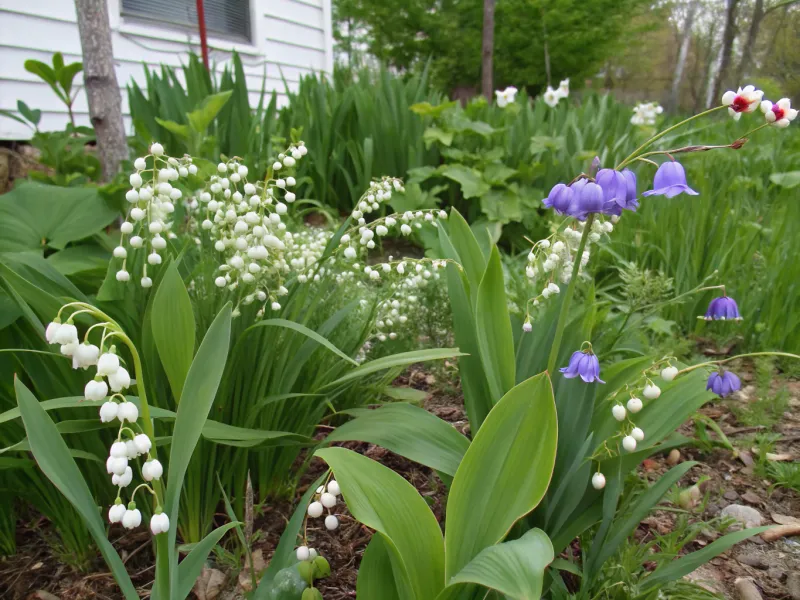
587	198
631	203
560	198
584	364
615	186
723	383
670	180
723	308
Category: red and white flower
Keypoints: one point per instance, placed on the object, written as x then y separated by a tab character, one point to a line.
779	113
745	99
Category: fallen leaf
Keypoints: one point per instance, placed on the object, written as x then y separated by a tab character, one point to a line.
751	498
784	519
209	584
746	458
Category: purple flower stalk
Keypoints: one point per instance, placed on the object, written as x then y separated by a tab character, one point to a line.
670	180
560	198
584	364
723	308
723	383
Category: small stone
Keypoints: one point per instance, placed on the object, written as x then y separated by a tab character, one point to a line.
751	498
753	560
746	589
746	515
674	457
730	495
793	585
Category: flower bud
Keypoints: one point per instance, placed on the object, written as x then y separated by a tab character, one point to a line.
331	523
651	391
669	373
629	443
333	487
598	481
634	405
302	553
328	500
315	510
637	434
619	412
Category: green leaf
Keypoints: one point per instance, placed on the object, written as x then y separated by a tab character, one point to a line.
176	128
230	435
34	215
395	360
469	252
686	564
514	568
472	185
200	389
191	566
495	338
382	500
201	118
34	116
173	328
505	472
375	576
42	70
67	75
426	109
55	461
789	179
80	259
501	205
403	394
306	332
498	173
408	431
434	134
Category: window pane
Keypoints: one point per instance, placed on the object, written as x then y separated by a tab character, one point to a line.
226	17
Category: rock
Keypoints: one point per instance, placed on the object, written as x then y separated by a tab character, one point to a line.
746	515
746	458
746	589
674	457
730	495
793	585
42	595
708	578
753	560
209	585
751	498
784	519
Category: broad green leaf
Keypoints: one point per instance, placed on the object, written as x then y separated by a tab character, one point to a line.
33	115
284	555
495	339
790	179
405	394
505	472
230	435
173	127
469	252
501	205
498	173
382	500
310	333
426	109
514	568
472	185
191	566
55	461
395	360
375	575
408	431
434	134
201	118
66	75
34	215
173	327
200	389
79	259
688	563
42	70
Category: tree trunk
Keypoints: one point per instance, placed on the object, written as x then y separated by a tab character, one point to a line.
752	35
102	89
728	36
487	51
680	64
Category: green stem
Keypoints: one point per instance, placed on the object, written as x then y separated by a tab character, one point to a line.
727	360
658	136
564	313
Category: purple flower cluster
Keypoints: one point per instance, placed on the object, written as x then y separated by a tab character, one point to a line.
613	191
723	308
723	383
584	364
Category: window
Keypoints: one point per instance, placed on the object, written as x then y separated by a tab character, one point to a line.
229	18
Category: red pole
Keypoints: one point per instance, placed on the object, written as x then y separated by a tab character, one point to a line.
201	22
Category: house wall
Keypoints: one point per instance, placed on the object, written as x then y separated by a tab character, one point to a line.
290	38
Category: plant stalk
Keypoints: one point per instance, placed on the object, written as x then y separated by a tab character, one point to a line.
564	312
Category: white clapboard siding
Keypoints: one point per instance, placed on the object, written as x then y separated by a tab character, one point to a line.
291	38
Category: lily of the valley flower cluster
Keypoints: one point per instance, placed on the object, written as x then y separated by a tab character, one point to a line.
325	500
645	113
131	441
152	200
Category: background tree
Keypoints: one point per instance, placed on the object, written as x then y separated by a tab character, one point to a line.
487	47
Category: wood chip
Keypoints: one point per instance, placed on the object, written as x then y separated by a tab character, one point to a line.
784	519
776	533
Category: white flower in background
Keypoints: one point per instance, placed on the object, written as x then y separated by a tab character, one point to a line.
744	99
506	96
563	89
779	114
551	97
645	113
159	523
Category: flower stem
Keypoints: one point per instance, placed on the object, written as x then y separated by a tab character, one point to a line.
658	136
564	312
727	360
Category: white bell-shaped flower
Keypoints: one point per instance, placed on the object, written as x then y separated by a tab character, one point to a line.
142	443
159	523
67	333
107	364
152	469
108	411
123	480
116	512
119	380
95	390
128	411
132	518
